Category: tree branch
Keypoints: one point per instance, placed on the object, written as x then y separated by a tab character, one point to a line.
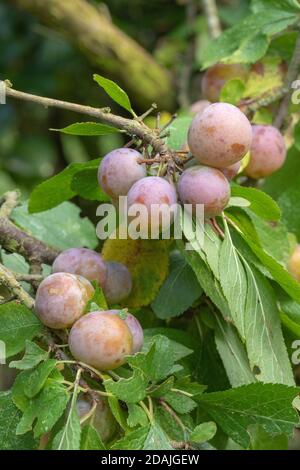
293	72
211	12
107	48
133	127
8	280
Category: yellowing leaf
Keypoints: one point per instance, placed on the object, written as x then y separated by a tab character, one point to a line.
264	76
147	261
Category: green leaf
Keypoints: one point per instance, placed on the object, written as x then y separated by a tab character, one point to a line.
179	291
233	91
85	184
206	279
264	341
134	440
203	432
98	300
88	129
33	356
61	227
178	132
44	410
55	190
30	382
261	204
90	439
158	362
269	405
261	440
284	186
232	353
161	389
180	403
17	324
118	413
38	377
233	281
68	437
114	91
136	416
247	40
179	341
9	419
156	439
131	390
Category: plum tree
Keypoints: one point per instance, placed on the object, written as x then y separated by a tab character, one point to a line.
216	76
267	152
154	193
199	106
135	329
82	261
119	170
294	263
118	282
101	340
102	418
220	136
204	185
231	171
62	298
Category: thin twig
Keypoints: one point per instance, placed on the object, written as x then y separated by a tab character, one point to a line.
8	280
132	127
10	201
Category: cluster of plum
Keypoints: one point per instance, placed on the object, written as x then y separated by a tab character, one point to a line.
220	135
100	339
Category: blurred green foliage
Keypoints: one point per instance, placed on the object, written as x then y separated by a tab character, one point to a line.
36	59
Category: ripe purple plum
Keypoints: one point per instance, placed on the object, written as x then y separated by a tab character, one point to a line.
158	197
231	171
199	106
267	152
119	170
220	136
118	283
101	340
216	76
135	329
294	263
61	299
81	261
207	186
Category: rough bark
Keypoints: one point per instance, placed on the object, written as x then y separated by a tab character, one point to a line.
107	48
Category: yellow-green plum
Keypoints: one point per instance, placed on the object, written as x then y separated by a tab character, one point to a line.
220	136
81	261
294	263
119	170
101	340
118	282
207	186
267	152
62	298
